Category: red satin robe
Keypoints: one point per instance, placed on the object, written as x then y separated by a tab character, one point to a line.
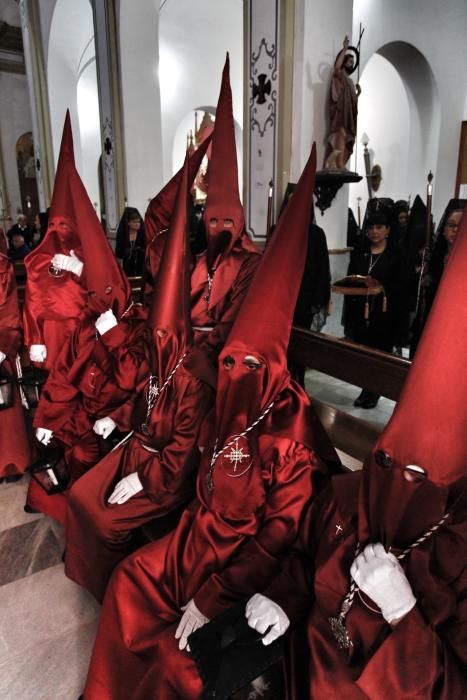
52	305
216	556
229	286
99	535
424	657
14	445
82	388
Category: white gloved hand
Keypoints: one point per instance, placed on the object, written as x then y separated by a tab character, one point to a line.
263	613
105	322
2	356
192	619
380	576
104	426
70	263
37	353
44	435
125	489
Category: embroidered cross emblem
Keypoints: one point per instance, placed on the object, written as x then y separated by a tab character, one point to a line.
338	528
236	455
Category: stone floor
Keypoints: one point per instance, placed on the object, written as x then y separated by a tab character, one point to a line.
47	623
342	395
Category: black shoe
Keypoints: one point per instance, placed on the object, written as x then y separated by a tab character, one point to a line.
14	477
370	403
30	510
360	400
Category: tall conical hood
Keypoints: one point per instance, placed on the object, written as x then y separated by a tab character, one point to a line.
73	225
429	425
160	208
223	201
103	278
263	324
169	316
65	164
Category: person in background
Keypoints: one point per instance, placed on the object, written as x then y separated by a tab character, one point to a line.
375	325
18	247
130	245
22	227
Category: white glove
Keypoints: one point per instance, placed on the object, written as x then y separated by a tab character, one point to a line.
105	322
192	619
68	262
2	356
37	353
104	426
125	489
44	435
263	613
380	576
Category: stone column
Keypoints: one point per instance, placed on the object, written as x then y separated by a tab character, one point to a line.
267	124
37	86
106	42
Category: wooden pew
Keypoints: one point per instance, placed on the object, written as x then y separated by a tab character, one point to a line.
365	367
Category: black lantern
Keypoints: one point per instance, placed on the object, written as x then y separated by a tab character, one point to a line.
32	381
6	392
50	471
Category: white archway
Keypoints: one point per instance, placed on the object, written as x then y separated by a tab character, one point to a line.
72	84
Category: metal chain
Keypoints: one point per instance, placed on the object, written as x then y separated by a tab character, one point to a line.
215	454
338	623
210	281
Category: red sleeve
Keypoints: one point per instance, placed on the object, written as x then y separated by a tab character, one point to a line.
59	397
215	340
437	663
259	558
125	351
175	464
10	341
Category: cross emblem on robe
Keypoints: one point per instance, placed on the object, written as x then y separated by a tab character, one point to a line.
237	455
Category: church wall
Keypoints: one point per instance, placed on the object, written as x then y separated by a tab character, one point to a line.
437	30
15	120
192	55
386	122
320	27
141	103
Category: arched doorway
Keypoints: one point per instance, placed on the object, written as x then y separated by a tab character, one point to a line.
27	175
399	109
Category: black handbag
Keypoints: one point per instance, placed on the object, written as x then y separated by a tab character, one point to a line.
229	654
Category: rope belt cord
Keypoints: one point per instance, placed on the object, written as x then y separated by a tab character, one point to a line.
19	373
338	623
215	454
153	392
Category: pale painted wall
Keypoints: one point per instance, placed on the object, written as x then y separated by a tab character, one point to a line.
436	30
72	83
192	55
15	120
320	27
387	123
141	101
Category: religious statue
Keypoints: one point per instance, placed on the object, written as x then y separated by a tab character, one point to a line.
342	109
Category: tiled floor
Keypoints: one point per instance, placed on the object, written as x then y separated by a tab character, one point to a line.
47	623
